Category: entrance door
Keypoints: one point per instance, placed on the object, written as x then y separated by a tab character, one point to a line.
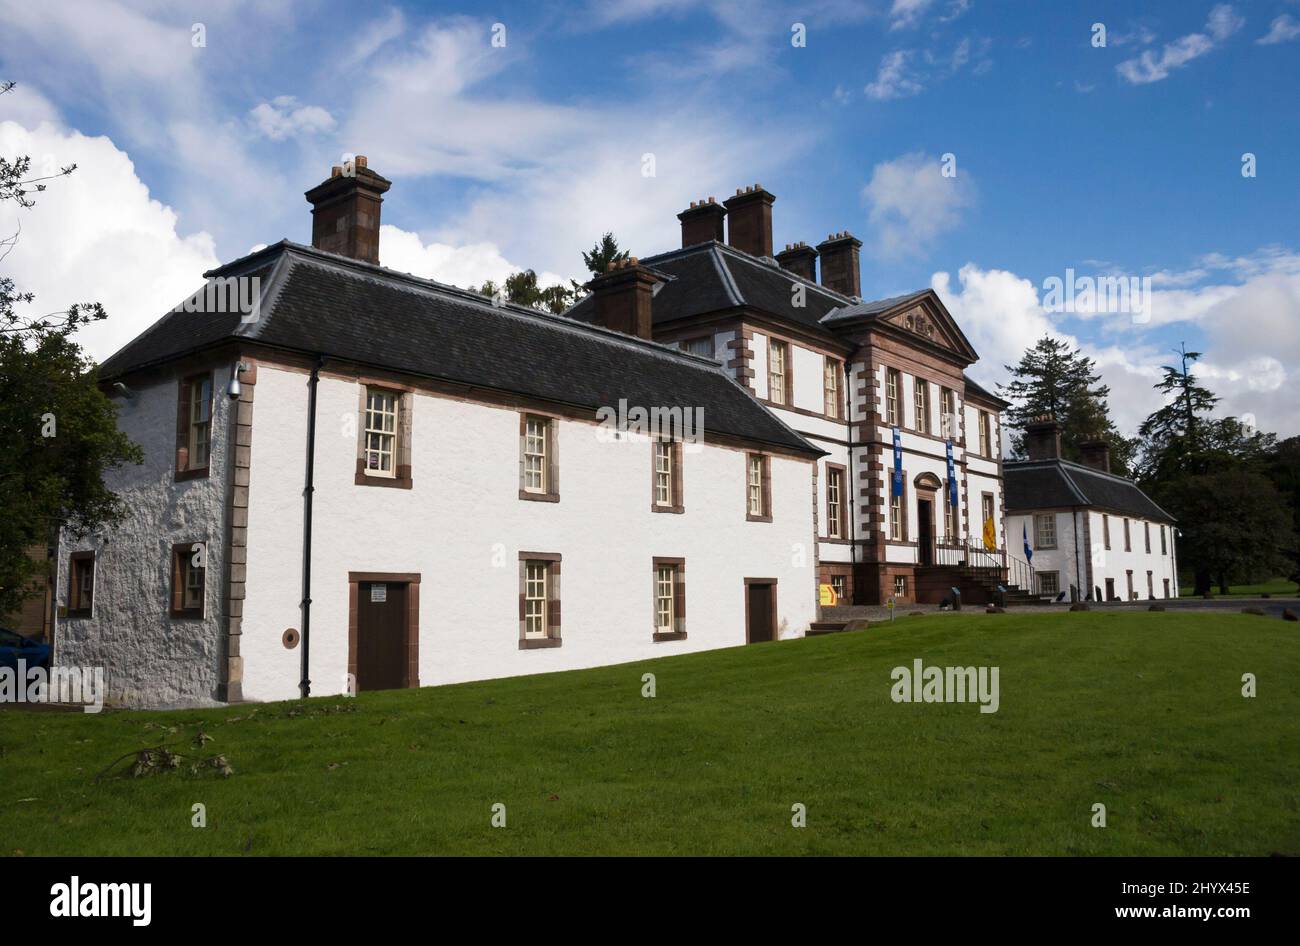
760	611
1110	589
381	635
925	531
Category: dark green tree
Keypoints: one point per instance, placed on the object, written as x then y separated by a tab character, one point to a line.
1234	526
604	252
1053	378
58	432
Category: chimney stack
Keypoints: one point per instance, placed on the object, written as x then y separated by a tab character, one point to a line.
702	222
1096	454
345	211
840	273
749	220
800	259
1043	438
623	295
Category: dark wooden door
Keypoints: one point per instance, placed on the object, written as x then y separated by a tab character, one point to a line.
381	636
761	612
925	530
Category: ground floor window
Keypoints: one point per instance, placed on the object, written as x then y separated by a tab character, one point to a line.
840	585
189	577
1128	575
669	598
1151	590
900	586
1049	583
81	584
539	599
1166	587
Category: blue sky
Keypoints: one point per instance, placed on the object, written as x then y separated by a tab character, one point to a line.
1123	159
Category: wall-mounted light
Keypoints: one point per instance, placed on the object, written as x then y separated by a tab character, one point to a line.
233	389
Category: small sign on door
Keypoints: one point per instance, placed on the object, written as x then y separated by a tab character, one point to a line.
378	594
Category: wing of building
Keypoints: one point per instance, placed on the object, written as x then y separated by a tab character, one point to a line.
360	479
855	378
1094	536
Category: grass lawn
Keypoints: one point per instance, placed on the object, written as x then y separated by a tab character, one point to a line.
1139	711
1277	587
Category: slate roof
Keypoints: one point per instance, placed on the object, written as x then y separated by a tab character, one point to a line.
712	277
321	303
983	391
1046	484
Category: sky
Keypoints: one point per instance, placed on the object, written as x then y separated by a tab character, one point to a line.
992	150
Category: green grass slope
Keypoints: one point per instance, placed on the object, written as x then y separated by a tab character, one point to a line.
1141	712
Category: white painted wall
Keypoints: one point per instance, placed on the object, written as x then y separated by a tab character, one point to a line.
462	526
150	658
1076	549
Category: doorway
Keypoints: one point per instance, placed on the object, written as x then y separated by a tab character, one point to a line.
383	630
760	610
925	531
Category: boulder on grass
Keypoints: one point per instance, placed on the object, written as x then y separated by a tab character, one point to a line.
1079	606
857	624
1258	611
1156	607
1289	615
994	609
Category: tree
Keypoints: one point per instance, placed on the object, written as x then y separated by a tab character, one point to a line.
1283	468
1234	526
58	432
1209	473
604	252
1054	379
522	289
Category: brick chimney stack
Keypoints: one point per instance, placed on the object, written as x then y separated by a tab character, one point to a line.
749	220
345	211
840	272
1096	454
1043	438
623	295
702	222
800	259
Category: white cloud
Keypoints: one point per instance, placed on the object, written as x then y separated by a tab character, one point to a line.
912	204
907	13
1249	335
283	117
465	266
1150	67
896	78
74	249
1283	29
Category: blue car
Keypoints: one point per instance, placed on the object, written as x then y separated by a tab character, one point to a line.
15	647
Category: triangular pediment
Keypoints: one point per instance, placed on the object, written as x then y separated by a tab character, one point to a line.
926	319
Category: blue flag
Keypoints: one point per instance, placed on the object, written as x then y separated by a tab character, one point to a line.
1029	553
952	477
898	463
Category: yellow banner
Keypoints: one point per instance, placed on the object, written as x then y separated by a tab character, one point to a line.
828	596
990	536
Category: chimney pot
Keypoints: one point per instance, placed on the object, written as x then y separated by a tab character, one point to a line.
840	269
702	222
345	212
1043	438
1096	454
799	259
624	297
749	216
